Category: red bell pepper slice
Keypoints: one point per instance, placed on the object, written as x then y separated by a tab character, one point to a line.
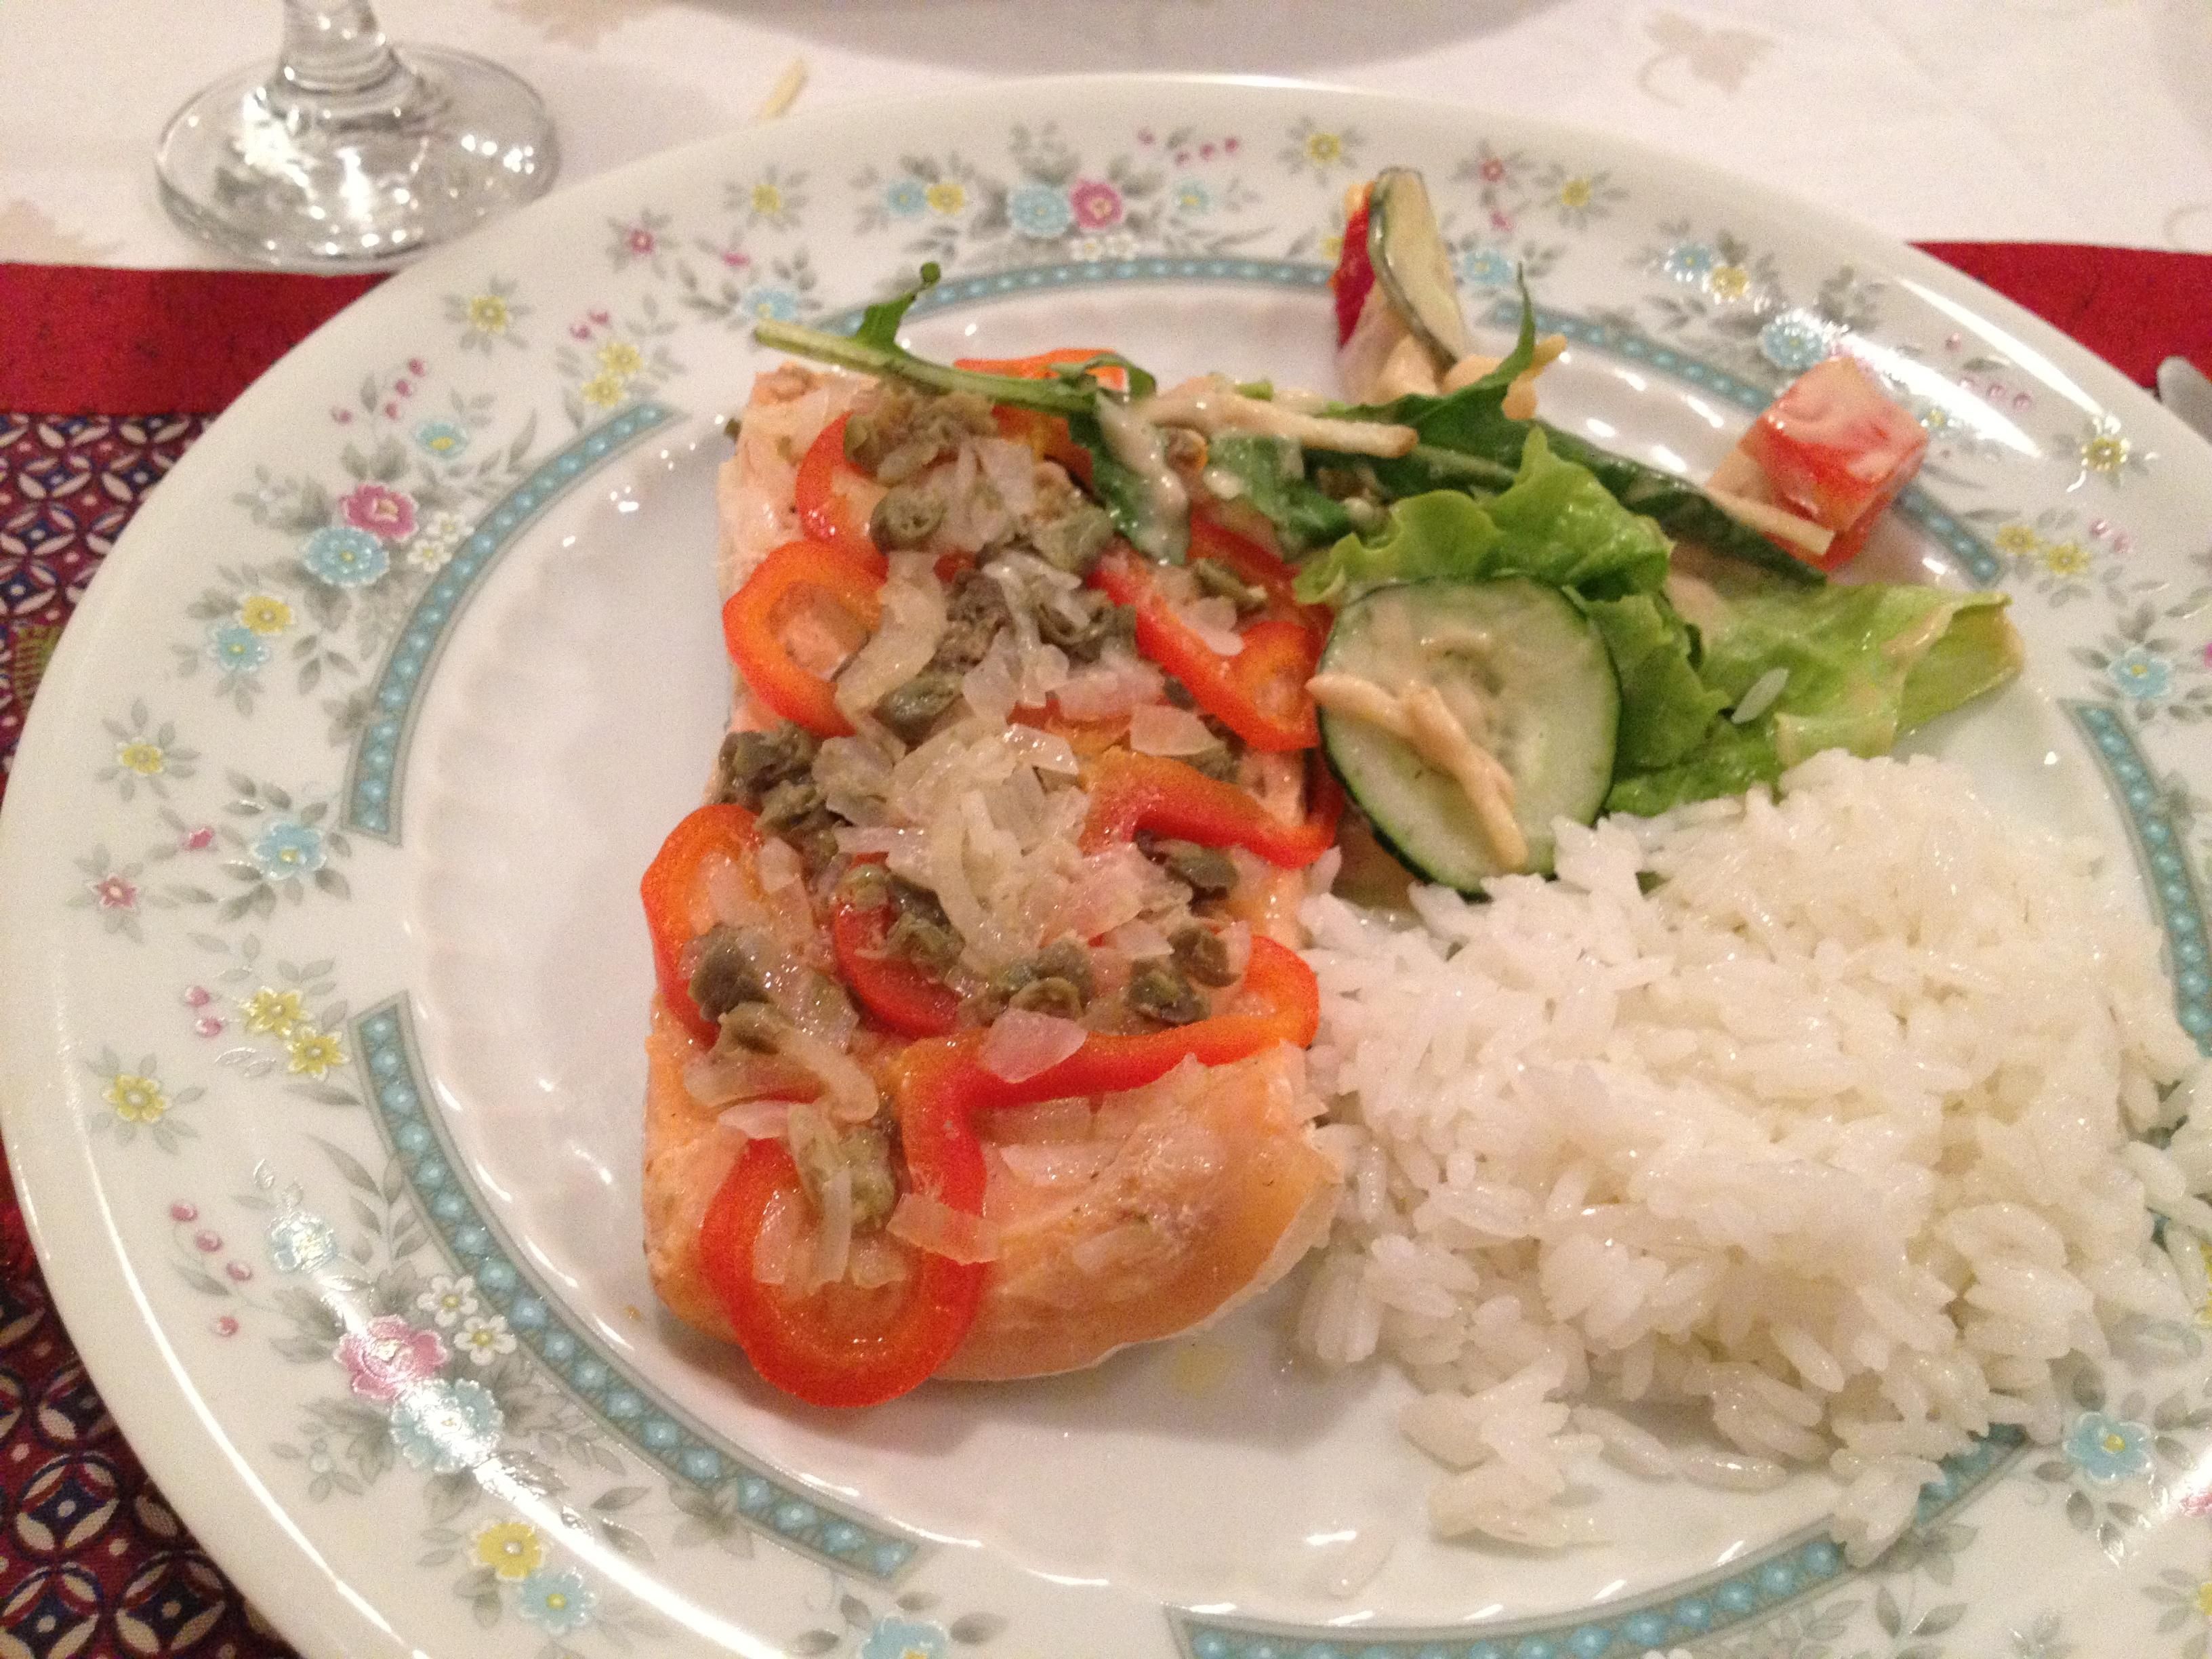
835	498
1353	279
1254	563
1130	793
752	624
841	1346
1046	434
1263	702
901	995
679	908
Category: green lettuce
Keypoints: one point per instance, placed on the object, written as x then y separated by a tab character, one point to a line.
1271	477
1666	707
1862	665
1555	523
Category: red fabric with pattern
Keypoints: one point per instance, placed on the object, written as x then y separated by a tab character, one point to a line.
93	1562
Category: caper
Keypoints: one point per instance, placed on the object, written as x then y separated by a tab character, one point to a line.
906	517
865	886
1217	578
1158	991
911	709
753	1026
1053	995
1200	953
751	763
725	974
1209	872
1074	540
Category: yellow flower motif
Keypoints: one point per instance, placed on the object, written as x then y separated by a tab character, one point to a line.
136	1099
602	391
946	196
2204	1599
264	613
1575	193
512	1549
2066	558
2017	541
1332	247
146	759
275	1013
2106	453
314	1053
487	313
621	357
1324	148
1728	282
768	200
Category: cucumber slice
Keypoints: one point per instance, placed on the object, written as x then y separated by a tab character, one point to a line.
1414	266
1527	676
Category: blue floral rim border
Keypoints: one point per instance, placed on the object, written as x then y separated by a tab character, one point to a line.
955	291
2161	849
661	1437
377	766
1797	1569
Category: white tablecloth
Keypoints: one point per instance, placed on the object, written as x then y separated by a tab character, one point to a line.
2060	121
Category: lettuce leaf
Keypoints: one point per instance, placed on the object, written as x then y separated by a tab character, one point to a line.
1555	523
1665	708
1864	664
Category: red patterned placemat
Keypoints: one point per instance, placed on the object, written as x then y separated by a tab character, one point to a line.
93	1562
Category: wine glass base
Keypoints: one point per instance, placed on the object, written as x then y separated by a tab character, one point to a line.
273	177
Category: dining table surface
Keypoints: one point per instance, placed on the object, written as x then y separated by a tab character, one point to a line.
2060	150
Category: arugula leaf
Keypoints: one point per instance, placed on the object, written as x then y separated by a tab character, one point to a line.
1271	474
1127	495
873	349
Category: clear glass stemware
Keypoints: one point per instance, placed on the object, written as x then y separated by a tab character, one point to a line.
351	154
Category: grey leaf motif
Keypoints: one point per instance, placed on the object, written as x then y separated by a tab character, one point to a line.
1936	1621
1886	1614
810	1643
973	1628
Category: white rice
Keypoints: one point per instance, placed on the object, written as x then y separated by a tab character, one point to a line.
1833	1132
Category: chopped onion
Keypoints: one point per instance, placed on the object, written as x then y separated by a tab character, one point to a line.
1214	619
783	1234
1237	942
1114	686
731	892
932	1225
778	864
879	842
1161	728
847	1092
1045	1164
906	638
711	1078
757	1119
1140	940
833	1228
1022	1044
1046	750
1047	1121
992	685
875	1261
1111	890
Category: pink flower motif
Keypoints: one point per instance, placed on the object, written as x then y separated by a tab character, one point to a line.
1493	170
207	1026
239	1272
2206	654
114	893
343	416
198	841
1229	143
417	368
1182	157
641	241
579	330
181	1210
390	1356
405	389
1205	152
380	510
1144	135
600	317
391	412
207	1242
198	996
226	1326
1097	204
736	259
1500	220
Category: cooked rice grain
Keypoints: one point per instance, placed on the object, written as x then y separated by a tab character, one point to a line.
1833	1132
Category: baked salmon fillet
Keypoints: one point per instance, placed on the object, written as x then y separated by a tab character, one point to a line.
977	1052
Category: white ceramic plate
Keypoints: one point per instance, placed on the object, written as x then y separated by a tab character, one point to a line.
323	984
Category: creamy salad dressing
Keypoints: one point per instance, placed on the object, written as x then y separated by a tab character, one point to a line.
1418	715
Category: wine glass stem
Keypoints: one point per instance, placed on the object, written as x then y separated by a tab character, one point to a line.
334	53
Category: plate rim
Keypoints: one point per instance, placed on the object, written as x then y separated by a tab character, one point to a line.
90	1278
